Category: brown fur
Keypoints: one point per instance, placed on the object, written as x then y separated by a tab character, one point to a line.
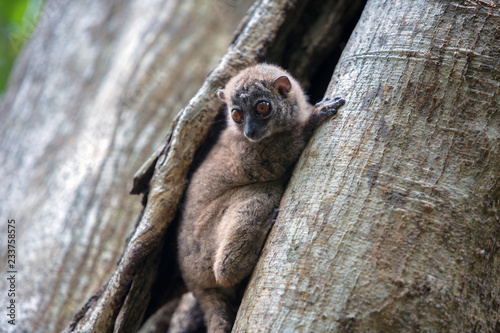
231	200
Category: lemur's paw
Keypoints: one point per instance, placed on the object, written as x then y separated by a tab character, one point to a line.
330	106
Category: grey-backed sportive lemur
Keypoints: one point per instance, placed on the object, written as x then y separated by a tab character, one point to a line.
232	198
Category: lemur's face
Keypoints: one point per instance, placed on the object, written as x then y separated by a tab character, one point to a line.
258	109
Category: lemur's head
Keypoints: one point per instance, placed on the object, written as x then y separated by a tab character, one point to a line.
263	100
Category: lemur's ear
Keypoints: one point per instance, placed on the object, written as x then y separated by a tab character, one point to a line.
221	95
283	85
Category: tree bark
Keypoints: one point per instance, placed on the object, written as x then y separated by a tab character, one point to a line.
391	221
91	97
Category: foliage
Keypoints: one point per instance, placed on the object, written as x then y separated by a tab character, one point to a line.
17	21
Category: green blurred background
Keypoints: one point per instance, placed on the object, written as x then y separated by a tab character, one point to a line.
17	21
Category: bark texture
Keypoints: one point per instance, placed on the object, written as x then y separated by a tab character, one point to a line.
91	97
391	221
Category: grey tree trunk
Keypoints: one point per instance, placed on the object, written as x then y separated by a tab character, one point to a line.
391	221
91	97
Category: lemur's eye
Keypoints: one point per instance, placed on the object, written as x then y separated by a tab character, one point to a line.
263	108
237	116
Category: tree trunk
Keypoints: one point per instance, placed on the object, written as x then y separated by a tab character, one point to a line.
91	97
391	221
